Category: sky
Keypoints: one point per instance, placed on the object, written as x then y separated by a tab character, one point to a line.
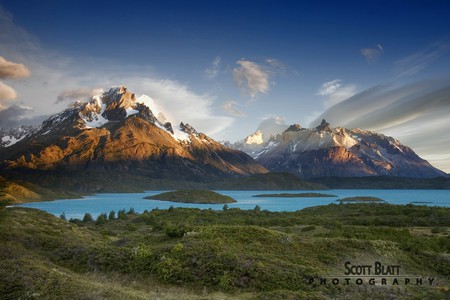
226	67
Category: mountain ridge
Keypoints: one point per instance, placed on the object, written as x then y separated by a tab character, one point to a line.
324	151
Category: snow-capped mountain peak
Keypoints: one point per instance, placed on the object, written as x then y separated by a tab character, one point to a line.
326	151
255	138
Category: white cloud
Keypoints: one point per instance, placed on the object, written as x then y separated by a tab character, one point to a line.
251	78
213	71
329	87
334	92
180	104
231	107
371	54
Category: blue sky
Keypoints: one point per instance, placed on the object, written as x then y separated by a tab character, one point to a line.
225	66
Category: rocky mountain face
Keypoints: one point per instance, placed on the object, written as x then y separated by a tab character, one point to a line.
9	137
325	151
117	132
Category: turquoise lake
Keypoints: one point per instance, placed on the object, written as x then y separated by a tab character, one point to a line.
99	203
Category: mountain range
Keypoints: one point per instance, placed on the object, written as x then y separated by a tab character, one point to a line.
115	134
324	151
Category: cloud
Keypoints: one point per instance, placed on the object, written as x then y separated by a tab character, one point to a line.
371	54
329	87
179	103
231	107
77	94
12	70
55	75
12	116
213	71
275	63
416	114
251	78
335	92
416	62
6	93
271	126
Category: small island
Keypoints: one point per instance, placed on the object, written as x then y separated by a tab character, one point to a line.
361	199
193	196
301	195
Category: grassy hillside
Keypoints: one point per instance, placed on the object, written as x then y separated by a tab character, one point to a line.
183	253
18	191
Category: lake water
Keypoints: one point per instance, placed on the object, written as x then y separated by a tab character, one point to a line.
99	203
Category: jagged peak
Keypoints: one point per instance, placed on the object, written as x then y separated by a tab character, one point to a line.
324	126
188	128
294	127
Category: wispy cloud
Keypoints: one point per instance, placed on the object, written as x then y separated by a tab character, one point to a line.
77	94
334	92
371	54
251	78
329	87
418	61
232	107
213	71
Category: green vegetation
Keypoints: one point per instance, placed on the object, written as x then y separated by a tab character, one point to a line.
188	253
193	196
299	195
360	199
18	191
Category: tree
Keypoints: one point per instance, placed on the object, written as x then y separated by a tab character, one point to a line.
63	216
101	219
121	214
112	215
88	218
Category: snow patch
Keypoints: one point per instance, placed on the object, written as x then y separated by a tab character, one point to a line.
97	119
130	111
10	140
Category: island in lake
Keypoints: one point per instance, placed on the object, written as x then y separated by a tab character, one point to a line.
193	196
361	199
290	195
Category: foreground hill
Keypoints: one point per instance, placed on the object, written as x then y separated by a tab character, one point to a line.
230	254
115	132
326	152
